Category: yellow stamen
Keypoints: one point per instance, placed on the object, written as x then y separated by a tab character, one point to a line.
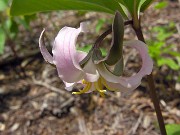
85	89
106	85
98	86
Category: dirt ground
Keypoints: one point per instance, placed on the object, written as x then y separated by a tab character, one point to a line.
33	100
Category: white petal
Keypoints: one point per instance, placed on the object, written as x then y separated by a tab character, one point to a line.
46	55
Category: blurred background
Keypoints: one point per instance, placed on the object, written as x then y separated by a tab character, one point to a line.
33	100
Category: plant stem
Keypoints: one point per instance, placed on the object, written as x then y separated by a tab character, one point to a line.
107	32
151	84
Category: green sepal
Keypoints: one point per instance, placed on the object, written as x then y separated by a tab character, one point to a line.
115	52
119	67
114	59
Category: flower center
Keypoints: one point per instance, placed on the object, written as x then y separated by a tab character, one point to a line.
99	86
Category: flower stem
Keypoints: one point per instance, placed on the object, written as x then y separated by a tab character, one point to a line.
107	32
151	84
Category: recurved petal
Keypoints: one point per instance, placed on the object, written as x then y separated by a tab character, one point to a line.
133	81
122	88
147	63
46	55
65	56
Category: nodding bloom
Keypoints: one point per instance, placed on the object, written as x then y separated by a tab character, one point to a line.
91	69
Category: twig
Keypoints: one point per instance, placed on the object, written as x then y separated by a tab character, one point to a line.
137	123
178	28
67	102
81	121
135	127
54	89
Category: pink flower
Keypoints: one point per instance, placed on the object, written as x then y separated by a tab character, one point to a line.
93	75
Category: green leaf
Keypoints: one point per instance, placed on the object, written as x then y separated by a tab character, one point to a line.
169	62
22	7
133	6
145	5
176	54
161	5
136	6
130	5
13	30
2	40
3	5
173	129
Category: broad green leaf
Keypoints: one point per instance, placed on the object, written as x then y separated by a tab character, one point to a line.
22	7
2	40
173	129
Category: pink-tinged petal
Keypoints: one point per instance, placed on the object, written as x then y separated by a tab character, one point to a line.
63	60
67	58
69	86
46	55
107	75
121	88
132	82
147	63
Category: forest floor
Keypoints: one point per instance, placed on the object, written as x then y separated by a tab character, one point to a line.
33	100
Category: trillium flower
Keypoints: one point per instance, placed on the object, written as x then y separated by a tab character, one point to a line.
91	69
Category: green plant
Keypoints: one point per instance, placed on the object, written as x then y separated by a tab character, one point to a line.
160	51
173	129
134	7
100	24
9	24
161	5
